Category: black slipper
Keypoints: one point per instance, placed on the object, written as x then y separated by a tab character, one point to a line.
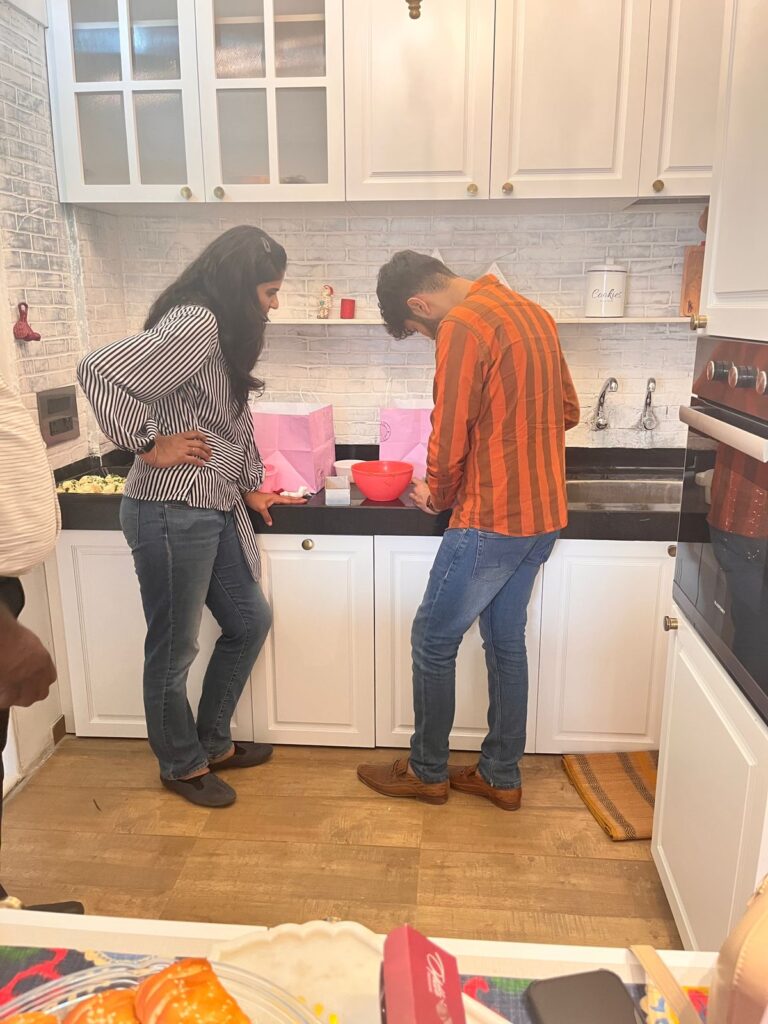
246	755
204	790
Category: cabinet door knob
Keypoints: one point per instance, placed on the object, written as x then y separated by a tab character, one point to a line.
472	189
307	544
219	192
698	321
658	185
670	623
186	192
672	550
507	188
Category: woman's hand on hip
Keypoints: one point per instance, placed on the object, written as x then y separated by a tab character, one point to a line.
187	449
262	501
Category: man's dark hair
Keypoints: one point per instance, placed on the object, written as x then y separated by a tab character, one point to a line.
407	274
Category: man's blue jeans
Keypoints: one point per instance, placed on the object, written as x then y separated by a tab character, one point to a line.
187	558
491	576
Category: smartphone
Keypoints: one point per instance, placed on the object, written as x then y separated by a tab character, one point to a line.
597	997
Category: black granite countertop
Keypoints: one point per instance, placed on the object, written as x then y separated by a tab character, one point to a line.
402	518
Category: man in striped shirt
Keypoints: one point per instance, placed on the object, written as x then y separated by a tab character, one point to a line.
503	401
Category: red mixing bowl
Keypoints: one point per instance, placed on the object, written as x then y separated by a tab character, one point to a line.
382	481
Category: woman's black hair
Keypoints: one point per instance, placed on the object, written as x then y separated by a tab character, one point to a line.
224	278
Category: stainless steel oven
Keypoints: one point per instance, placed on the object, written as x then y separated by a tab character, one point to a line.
721	570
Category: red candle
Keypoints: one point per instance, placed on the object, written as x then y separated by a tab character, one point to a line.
347	309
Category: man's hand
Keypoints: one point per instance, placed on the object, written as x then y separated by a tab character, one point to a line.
187	449
26	670
421	498
262	501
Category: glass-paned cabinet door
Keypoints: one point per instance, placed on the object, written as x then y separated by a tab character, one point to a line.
271	98
125	101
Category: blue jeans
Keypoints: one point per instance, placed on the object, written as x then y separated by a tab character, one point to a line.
491	576
186	558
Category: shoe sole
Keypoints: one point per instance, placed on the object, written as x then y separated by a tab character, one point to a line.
401	796
487	796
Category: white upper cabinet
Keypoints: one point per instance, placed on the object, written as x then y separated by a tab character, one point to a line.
418	99
735	288
684	56
271	98
124	97
568	97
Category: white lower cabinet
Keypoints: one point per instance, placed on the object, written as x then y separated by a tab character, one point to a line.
596	650
603	649
710	830
104	635
313	682
402	569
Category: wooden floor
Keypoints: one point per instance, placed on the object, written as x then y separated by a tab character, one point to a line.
306	840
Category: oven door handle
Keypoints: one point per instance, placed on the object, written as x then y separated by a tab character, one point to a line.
719	430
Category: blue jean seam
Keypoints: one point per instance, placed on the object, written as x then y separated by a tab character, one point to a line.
459	548
228	689
497	685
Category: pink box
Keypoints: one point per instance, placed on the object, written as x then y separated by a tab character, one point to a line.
419	981
296	442
404	436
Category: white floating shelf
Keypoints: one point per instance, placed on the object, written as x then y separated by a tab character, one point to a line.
595	320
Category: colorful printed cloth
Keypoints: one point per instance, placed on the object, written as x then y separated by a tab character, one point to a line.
23	968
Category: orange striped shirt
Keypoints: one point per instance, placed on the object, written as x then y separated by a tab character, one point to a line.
503	401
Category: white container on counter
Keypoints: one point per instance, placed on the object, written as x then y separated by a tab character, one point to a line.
606	290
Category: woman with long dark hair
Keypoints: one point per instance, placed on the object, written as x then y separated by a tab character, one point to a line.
177	395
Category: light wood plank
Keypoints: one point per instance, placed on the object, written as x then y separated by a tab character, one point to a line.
307	840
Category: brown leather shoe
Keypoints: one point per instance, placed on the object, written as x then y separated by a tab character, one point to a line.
468	779
395	780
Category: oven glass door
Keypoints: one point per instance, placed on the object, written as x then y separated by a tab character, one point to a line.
721	571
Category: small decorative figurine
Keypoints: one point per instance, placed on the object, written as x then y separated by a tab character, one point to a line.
326	301
21	329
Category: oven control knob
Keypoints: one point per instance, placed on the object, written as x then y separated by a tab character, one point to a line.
717	370
742	376
761	383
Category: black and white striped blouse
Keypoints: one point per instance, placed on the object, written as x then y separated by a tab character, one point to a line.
167	380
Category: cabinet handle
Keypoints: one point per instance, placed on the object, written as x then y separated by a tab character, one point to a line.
697	322
507	188
672	550
307	544
472	189
219	192
658	185
186	192
670	623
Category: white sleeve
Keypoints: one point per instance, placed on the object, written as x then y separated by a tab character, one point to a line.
29	508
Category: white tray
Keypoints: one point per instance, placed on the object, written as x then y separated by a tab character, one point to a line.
331	967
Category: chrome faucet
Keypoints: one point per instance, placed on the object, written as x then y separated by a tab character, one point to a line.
649	420
601	421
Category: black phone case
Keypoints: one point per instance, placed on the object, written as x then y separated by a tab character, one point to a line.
597	997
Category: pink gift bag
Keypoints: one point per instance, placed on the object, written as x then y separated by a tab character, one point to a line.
404	434
296	442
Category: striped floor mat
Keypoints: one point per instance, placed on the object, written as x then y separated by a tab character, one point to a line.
618	789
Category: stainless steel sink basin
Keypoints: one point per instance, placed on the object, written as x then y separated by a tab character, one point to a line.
624	493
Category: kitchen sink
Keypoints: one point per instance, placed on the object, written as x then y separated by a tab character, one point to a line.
625	493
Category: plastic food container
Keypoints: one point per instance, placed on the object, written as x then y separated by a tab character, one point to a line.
262	1001
382	481
343	467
